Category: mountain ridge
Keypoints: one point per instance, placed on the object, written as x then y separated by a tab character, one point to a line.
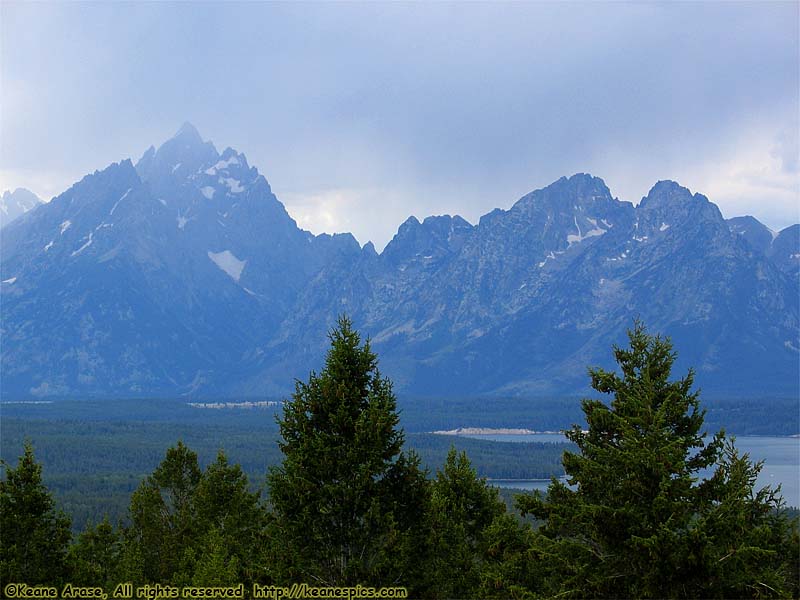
184	275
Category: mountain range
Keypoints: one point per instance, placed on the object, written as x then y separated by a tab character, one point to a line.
183	274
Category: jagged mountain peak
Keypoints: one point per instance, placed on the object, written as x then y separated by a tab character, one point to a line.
758	235
577	193
23	193
438	225
369	250
668	192
781	247
122	171
339	240
785	251
187	137
583	180
557	217
188	133
746	221
454	221
180	155
229	153
102	188
435	222
668	186
22	197
192	179
15	204
435	237
669	204
147	157
581	185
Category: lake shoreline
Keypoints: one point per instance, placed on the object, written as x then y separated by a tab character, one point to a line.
491	431
470	431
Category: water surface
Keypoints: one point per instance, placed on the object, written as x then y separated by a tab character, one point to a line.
781	456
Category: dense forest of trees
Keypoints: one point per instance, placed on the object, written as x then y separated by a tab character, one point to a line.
93	467
348	504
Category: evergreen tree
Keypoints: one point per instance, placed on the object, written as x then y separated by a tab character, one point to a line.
163	520
187	523
34	536
744	543
233	517
511	564
347	502
216	566
633	520
96	556
463	507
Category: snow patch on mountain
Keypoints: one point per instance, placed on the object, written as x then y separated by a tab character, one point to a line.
550	256
125	195
234	185
228	262
594	232
622	256
222	165
65	225
86	245
208	192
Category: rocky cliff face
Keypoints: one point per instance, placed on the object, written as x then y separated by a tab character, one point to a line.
184	274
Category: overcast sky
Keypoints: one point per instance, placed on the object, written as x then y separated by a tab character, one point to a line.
360	115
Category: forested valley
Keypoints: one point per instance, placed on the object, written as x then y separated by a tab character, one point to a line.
350	499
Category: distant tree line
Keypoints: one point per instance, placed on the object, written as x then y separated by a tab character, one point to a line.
92	467
349	505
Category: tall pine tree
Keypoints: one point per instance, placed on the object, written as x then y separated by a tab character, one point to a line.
463	507
347	501
232	517
636	519
164	520
34	536
186	523
95	558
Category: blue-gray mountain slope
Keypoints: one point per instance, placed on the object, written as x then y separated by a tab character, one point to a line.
183	274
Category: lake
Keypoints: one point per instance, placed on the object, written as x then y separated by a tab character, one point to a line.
781	456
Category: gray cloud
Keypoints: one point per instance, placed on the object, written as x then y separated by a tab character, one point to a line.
361	114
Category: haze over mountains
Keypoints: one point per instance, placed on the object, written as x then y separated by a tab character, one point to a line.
184	275
15	204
